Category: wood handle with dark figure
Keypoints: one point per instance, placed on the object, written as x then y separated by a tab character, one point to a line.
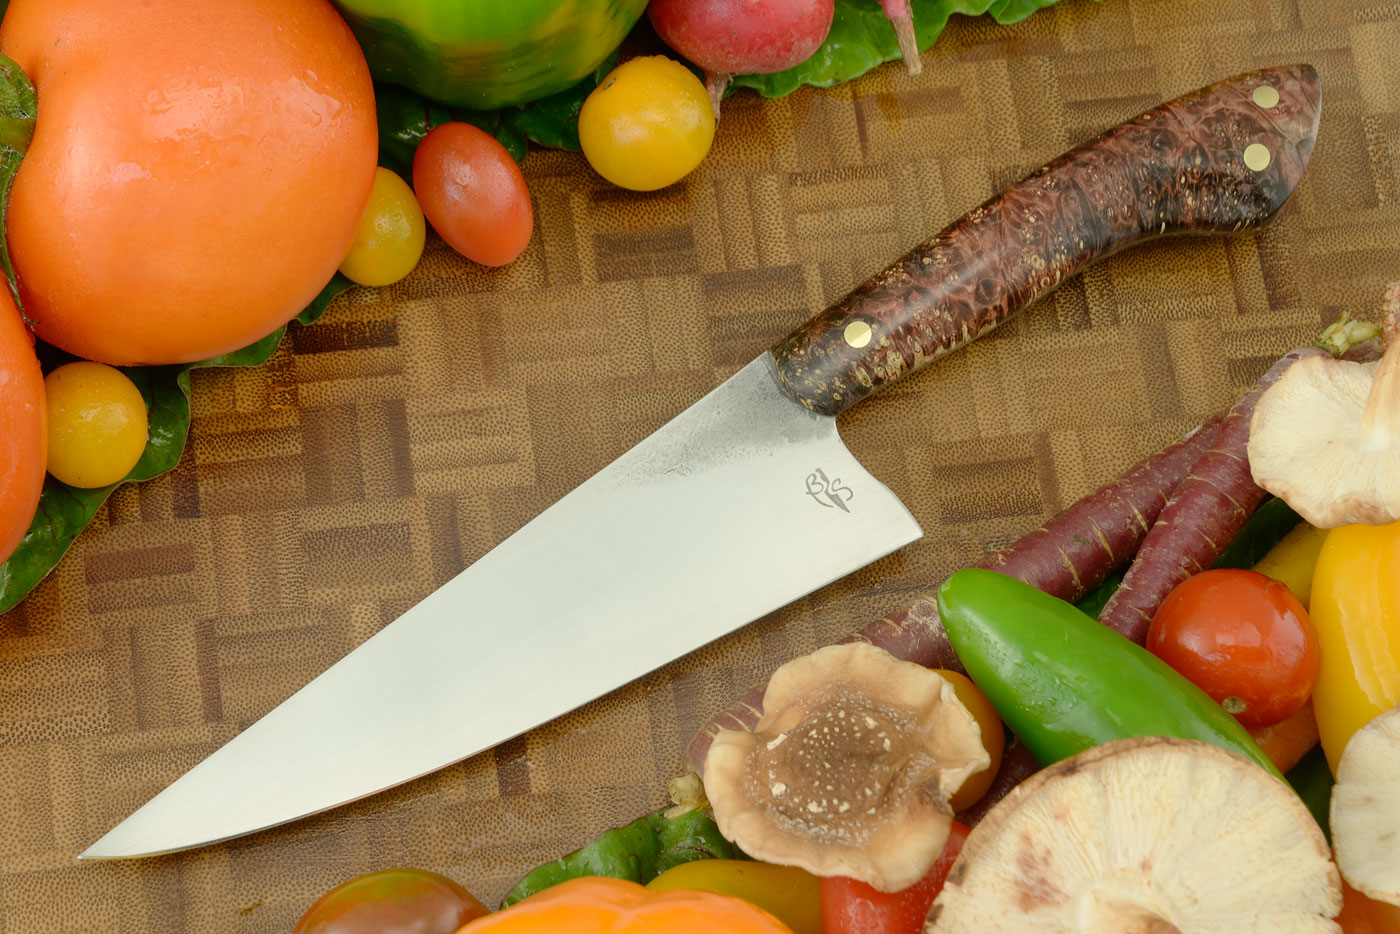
1221	159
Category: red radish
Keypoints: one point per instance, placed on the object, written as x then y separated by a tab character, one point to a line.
1065	557
902	18
1202	518
731	37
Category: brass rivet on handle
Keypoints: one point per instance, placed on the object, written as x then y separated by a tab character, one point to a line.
857	334
1257	156
1266	96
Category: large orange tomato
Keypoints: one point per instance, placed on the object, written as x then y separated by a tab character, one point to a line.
197	173
23	430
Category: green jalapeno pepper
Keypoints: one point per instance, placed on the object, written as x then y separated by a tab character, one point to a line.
1063	682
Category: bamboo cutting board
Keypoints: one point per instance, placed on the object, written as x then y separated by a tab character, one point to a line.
414	427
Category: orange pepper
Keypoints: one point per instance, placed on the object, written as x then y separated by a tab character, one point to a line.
597	905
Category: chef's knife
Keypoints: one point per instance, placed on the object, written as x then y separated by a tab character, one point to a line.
743	502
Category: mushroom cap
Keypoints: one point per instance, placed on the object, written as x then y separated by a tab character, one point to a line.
850	769
1307	447
1365	809
1152	835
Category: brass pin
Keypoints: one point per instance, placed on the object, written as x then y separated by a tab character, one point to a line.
1266	96
857	334
1257	156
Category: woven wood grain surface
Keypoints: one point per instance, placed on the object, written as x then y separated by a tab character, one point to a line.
396	441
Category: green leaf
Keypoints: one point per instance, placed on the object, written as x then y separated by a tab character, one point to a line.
1092	603
65	511
861	38
405	117
18	109
553	121
1311	778
1261	531
639	852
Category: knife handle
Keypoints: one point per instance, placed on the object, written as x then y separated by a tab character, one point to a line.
1223	158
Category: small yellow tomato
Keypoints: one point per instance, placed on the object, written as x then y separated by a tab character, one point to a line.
993	738
390	238
97	424
647	124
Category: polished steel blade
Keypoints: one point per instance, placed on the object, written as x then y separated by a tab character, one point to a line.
739	505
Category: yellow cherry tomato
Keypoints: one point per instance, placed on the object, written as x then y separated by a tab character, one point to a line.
993	738
391	234
97	424
647	124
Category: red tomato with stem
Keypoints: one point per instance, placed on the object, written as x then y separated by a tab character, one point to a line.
853	907
473	193
392	901
1241	637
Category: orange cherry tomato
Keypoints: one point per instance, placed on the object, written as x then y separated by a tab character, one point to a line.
473	194
197	172
392	901
993	738
853	907
1241	637
24	436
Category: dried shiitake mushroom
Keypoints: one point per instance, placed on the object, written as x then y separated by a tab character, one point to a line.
1152	835
1326	437
1365	813
850	770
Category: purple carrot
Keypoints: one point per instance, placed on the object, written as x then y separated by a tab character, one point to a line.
1065	557
1204	515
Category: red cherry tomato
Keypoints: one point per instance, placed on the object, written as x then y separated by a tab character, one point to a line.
392	901
853	907
1243	639
473	193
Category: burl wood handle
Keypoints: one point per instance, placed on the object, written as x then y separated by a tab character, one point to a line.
1223	158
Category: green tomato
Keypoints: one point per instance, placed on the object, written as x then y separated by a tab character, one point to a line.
485	54
390	238
392	901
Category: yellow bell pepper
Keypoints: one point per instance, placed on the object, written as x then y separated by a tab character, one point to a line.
790	894
1355	608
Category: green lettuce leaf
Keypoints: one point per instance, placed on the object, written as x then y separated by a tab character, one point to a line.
639	852
861	38
64	511
405	117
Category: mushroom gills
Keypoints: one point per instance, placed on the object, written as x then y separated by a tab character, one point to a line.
1365	809
1151	835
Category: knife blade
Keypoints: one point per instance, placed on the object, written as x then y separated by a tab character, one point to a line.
740	504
